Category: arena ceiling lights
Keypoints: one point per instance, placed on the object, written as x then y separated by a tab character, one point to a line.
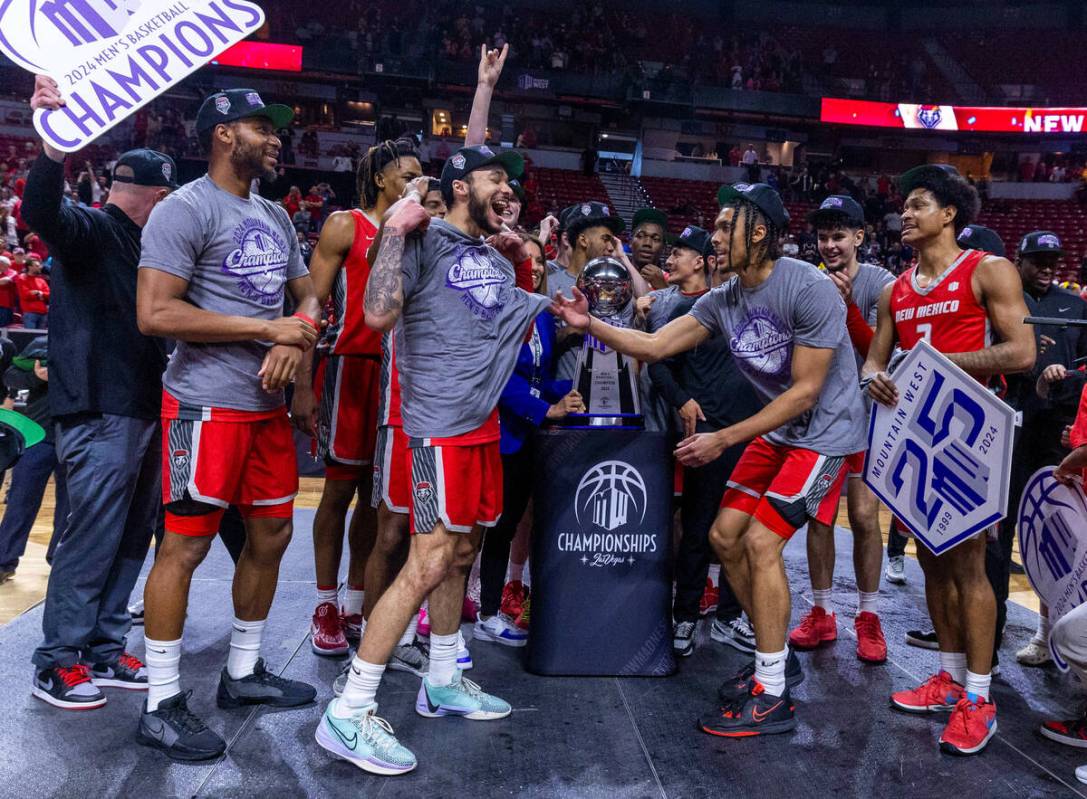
997	119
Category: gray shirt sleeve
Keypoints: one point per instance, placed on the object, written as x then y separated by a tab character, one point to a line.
705	312
172	240
819	321
410	263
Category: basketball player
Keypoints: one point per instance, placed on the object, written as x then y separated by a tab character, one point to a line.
785	324
460	322
839	227
215	262
985	293
348	416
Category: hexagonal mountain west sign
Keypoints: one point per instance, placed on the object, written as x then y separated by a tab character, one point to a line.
941	458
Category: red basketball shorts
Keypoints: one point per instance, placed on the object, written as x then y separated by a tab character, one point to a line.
347	418
392	470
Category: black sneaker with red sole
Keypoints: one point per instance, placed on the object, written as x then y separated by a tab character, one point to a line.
759	713
731	690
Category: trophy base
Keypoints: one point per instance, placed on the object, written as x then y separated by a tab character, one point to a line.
594	421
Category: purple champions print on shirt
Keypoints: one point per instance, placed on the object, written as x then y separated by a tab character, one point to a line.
481	282
259	261
763	344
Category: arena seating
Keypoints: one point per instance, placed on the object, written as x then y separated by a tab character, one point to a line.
1036	58
558	188
1013	219
695	202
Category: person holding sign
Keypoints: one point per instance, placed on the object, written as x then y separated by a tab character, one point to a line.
786	327
952	299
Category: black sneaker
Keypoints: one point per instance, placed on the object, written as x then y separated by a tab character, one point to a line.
758	713
922	639
126	672
739	685
262	688
177	731
683	638
67	687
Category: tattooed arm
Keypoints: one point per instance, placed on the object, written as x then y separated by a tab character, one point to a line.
385	287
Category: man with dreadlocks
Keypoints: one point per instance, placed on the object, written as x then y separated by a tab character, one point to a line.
786	327
346	423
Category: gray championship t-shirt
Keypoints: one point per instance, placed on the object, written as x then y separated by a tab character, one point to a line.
867	286
237	256
795	305
657	413
461	329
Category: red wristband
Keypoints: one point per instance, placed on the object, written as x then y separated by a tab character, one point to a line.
306	319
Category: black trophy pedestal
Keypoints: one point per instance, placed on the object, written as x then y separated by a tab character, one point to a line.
601	554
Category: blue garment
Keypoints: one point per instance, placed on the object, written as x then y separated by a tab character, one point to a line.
532	388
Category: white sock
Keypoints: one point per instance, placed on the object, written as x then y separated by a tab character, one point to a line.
770	670
163	676
1041	634
978	684
361	688
822	597
326	595
352	601
954	663
517	571
715	574
409	634
244	647
443	659
868	602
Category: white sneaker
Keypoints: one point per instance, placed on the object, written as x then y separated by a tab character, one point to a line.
135	610
896	570
464	657
500	629
1081	773
1035	653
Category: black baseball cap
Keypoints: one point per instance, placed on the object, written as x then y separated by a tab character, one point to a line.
979	237
651	216
233	104
518	189
591	214
565	215
1041	241
837	209
761	195
697	239
926	173
469	159
145	167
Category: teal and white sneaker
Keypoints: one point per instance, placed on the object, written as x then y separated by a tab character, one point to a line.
462	697
365	740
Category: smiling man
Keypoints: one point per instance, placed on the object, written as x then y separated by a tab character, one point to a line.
459	323
785	326
215	264
650	229
959	301
839	228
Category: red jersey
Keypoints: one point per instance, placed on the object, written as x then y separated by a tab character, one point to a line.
1078	434
946	313
388	409
348	333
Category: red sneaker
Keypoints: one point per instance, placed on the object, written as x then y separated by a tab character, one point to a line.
871	645
523	620
1072	732
710	596
422	629
969	728
469	611
938	694
326	633
814	629
513	599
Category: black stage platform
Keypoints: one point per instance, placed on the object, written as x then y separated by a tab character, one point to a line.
608	738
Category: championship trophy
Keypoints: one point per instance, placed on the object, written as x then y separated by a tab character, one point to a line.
606	379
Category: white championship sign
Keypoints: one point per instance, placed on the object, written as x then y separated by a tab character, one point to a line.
941	458
1052	525
111	57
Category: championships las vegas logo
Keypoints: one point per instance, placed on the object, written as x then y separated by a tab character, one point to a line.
111	57
609	507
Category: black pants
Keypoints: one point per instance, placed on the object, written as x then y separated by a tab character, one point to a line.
517	481
1037	444
702	491
896	541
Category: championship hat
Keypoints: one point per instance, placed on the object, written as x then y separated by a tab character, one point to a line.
652	216
144	167
1039	242
761	195
591	214
979	237
836	209
697	239
233	104
469	159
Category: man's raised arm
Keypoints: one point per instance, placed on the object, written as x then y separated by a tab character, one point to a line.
677	336
384	297
490	69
